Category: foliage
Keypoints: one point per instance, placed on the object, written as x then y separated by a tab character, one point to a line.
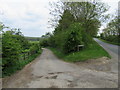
86	13
76	25
73	38
111	32
1	26
44	42
11	49
66	20
34	48
111	42
19	65
16	49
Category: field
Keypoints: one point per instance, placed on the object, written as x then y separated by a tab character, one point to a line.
33	38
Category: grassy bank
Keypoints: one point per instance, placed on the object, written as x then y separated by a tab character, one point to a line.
109	42
92	52
20	65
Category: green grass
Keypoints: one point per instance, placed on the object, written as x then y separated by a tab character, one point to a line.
34	41
21	63
92	52
109	42
33	38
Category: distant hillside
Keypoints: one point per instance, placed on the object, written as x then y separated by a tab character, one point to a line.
33	38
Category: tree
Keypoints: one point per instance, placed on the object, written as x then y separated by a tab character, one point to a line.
11	49
66	20
73	38
13	45
76	24
111	32
87	13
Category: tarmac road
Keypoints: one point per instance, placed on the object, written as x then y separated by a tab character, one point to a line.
114	51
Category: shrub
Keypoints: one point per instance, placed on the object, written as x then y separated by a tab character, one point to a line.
11	49
44	42
73	38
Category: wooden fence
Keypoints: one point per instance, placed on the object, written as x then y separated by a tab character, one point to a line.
26	55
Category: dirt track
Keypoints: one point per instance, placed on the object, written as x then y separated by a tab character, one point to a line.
47	71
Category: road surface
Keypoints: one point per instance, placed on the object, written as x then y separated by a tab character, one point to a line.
47	71
113	51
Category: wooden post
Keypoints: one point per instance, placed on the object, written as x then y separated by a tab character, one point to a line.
24	56
28	54
80	46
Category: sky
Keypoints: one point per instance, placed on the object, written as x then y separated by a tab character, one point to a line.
32	16
112	11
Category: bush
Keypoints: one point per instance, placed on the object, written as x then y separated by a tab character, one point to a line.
114	39
73	38
34	48
44	42
68	40
16	49
87	39
11	49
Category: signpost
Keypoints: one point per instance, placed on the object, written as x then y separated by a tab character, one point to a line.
80	46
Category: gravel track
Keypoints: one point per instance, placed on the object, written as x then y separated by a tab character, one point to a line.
47	71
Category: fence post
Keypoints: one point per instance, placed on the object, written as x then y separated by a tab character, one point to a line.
28	54
24	56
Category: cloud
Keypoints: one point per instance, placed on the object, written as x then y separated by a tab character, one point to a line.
29	15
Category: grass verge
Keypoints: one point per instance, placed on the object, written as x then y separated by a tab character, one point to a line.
92	52
110	42
21	63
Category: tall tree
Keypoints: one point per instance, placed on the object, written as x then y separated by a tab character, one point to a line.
87	13
66	20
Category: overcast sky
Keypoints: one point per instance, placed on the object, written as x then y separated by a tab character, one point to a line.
32	15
